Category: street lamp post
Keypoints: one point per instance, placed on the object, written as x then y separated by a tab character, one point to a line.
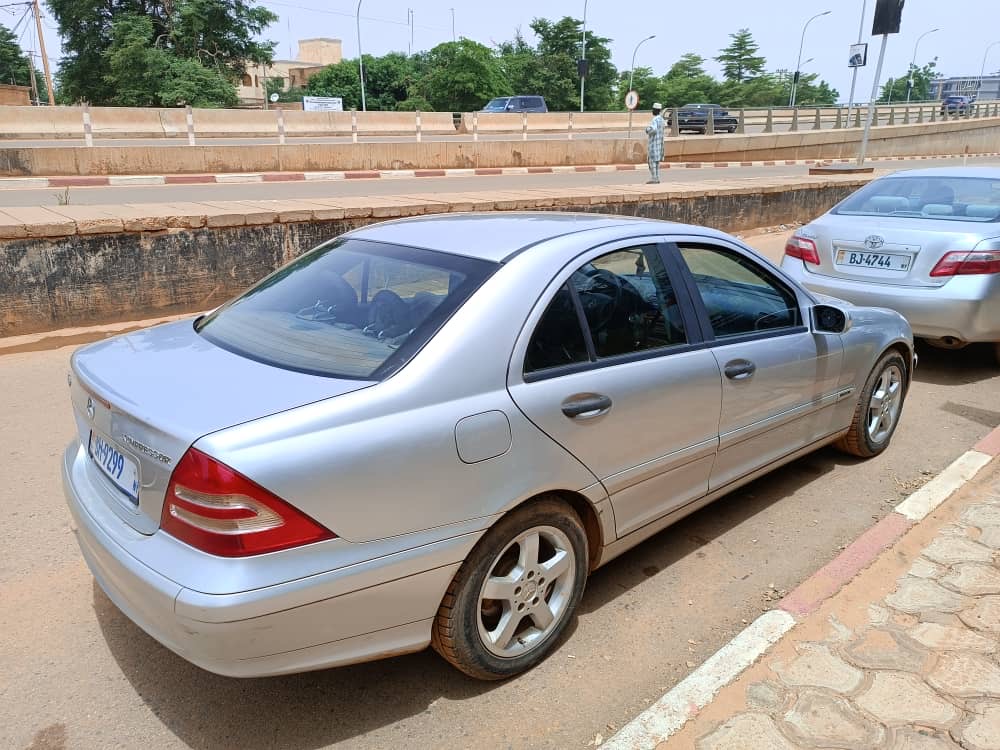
583	54
631	74
453	37
982	70
913	64
361	63
798	62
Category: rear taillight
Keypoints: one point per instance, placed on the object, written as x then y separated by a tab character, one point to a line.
803	249
218	510
966	263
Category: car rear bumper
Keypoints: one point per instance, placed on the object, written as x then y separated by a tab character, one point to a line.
294	627
966	308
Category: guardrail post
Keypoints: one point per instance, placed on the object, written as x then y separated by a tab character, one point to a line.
741	124
569	130
857	117
892	116
475	126
933	114
88	131
419	129
906	116
189	119
710	123
817	123
996	110
839	123
675	123
920	115
524	124
769	122
281	126
354	125
795	119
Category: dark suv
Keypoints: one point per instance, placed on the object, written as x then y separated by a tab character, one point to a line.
694	117
516	104
956	104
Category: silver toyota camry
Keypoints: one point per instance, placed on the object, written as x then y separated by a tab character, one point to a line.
431	431
925	243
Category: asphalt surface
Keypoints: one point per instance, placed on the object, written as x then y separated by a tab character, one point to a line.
75	673
406	186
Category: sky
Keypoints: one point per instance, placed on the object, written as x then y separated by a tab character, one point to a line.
967	27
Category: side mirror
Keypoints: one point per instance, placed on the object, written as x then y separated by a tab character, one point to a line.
830	319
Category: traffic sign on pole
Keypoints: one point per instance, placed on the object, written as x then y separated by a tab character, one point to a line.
632	99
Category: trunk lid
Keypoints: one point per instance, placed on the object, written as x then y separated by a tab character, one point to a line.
142	399
900	251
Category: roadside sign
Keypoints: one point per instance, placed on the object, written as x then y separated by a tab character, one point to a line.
632	99
859	56
323	104
274	97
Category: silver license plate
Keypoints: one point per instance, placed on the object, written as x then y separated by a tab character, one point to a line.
115	465
865	259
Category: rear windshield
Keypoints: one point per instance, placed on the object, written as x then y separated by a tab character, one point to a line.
497	105
348	309
971	199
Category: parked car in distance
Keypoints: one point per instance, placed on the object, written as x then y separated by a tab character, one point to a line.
956	105
516	104
694	118
925	243
431	431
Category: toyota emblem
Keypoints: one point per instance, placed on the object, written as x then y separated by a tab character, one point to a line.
874	242
90	408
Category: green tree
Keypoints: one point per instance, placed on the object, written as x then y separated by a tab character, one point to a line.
388	80
558	50
339	80
687	82
740	60
218	35
14	68
813	92
922	77
462	76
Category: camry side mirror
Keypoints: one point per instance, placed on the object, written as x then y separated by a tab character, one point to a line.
830	319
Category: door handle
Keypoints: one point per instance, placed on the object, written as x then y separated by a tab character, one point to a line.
586	406
740	369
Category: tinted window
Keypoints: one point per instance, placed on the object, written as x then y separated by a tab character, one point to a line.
497	105
741	297
350	308
971	199
629	302
558	338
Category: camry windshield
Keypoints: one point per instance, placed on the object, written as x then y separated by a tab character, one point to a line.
970	199
349	308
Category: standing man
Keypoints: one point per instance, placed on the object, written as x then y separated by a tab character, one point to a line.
654	153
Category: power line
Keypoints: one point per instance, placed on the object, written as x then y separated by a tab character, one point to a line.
347	14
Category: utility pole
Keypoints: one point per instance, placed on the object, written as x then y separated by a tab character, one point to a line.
34	80
583	54
453	37
45	57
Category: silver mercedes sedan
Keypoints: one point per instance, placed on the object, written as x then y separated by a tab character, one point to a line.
431	431
925	243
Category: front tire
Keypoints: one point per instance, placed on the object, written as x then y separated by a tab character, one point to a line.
879	407
516	592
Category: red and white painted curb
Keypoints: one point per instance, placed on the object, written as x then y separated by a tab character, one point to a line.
21	183
692	694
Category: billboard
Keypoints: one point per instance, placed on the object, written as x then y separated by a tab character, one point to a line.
322	104
858	56
888	14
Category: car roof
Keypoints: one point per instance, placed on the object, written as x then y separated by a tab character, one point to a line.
985	173
500	235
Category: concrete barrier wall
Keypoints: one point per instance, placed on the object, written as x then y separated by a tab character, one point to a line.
952	137
86	265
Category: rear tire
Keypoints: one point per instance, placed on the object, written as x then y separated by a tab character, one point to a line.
879	407
534	563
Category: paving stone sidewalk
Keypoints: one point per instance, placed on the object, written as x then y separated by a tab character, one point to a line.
918	670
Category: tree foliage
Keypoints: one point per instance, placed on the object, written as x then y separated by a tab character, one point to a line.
740	60
687	82
462	76
197	44
894	89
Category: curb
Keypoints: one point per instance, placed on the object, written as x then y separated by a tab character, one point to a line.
667	715
21	183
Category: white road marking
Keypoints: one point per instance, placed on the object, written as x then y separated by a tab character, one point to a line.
922	502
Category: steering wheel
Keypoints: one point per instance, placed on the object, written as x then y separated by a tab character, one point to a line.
602	281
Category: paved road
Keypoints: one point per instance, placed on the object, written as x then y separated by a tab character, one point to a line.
404	186
76	673
806	123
